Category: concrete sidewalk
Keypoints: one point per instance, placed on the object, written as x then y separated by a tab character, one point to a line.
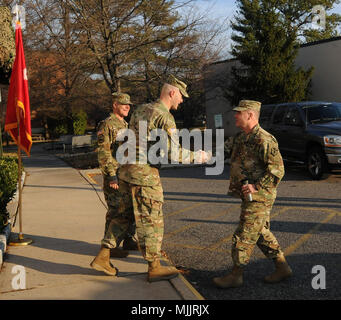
64	214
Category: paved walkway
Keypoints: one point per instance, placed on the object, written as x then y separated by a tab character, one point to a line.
63	213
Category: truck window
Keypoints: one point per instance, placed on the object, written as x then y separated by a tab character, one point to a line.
265	114
321	113
279	114
293	118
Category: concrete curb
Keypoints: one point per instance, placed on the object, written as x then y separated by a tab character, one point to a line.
4	238
5	234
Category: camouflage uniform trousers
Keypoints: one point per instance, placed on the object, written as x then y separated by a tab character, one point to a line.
119	219
148	217
254	229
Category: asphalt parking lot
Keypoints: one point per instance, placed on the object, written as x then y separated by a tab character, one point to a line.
306	219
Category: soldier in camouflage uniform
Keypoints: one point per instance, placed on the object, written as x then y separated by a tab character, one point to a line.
120	224
142	179
255	157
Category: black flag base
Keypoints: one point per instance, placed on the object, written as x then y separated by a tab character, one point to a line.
20	241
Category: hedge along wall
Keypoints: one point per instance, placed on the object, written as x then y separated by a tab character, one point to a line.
8	186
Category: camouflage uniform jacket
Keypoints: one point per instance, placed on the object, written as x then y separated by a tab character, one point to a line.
107	145
156	116
255	157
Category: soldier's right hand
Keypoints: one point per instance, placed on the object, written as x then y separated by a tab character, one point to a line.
114	184
203	157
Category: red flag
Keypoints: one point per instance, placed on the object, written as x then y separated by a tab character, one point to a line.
18	103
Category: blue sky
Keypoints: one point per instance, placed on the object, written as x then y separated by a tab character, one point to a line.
219	8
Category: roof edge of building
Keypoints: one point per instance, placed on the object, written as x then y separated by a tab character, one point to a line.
308	44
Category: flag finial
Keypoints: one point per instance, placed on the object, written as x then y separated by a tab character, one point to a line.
18	20
15	11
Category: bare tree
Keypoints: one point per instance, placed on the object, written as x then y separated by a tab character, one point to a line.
128	44
128	33
58	59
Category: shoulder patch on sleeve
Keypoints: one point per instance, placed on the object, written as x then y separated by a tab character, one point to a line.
274	151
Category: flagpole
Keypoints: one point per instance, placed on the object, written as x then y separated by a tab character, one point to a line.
19	181
18	106
20	241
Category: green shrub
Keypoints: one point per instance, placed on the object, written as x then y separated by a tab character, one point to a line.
80	120
57	127
8	186
60	129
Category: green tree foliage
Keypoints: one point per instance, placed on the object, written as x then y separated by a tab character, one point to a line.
267	35
60	129
303	17
266	49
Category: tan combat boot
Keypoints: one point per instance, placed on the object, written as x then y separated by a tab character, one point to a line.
102	262
283	271
232	280
156	272
118	253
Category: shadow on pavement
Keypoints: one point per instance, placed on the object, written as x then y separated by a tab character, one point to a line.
280	201
297	287
283	226
65	245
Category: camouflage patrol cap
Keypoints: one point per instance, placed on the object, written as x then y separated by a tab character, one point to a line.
121	98
248	105
179	84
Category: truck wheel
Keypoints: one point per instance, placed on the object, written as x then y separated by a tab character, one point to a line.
316	163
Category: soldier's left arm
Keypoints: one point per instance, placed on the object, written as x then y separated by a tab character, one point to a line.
107	163
274	168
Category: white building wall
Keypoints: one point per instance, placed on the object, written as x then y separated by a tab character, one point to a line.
326	59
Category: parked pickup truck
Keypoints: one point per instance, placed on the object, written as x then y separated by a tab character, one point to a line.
309	132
